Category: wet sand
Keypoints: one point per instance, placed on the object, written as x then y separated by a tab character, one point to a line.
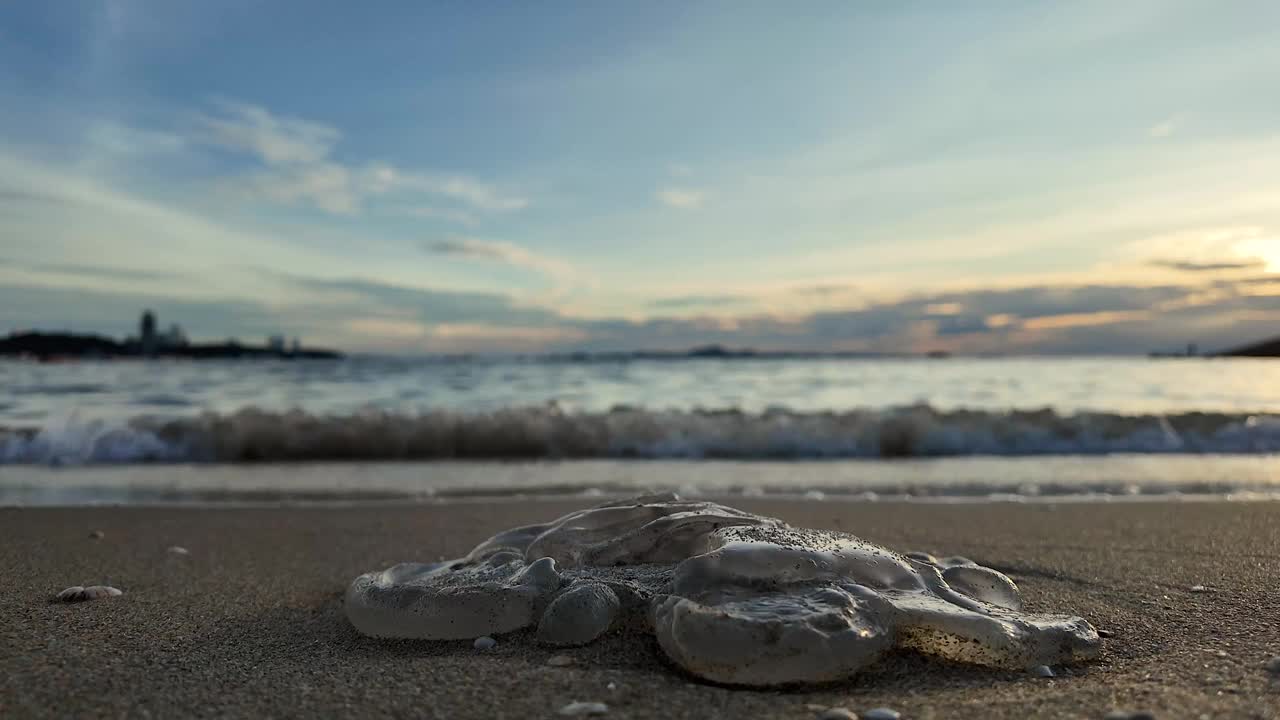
250	622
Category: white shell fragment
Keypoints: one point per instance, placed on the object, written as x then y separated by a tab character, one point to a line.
77	593
732	597
178	550
584	709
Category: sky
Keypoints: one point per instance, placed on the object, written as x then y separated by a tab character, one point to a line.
407	177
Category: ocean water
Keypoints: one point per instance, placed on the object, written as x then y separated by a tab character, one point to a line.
956	427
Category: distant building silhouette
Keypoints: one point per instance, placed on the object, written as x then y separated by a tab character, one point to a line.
147	333
275	343
175	337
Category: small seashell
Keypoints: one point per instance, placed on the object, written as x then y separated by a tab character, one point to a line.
78	593
178	550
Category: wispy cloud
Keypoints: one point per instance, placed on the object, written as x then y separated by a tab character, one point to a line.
502	252
1215	266
298	167
681	198
699	301
95	271
563	275
1165	128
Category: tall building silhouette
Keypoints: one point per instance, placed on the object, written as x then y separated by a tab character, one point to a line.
147	333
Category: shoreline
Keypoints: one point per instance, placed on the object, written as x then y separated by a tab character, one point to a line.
251	623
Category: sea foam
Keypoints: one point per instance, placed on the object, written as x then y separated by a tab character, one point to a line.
253	435
731	596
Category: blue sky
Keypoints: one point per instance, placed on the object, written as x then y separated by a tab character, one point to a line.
438	177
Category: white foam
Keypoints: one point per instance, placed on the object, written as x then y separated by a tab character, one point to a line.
548	432
731	596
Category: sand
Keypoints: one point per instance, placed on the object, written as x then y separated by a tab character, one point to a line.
250	622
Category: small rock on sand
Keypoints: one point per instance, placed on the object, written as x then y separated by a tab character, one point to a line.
1199	589
559	661
1273	665
77	593
1042	671
837	713
97	535
1128	715
1106	633
584	709
881	713
484	642
178	550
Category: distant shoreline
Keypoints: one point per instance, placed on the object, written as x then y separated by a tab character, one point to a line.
53	346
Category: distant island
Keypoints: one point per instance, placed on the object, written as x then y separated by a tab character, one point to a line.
149	343
720	352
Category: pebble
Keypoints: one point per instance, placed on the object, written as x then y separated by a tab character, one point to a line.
1106	633
837	713
1199	589
612	685
484	642
97	535
179	550
1042	671
1273	665
77	593
584	709
1126	715
881	713
559	661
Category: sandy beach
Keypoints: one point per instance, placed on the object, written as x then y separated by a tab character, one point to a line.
250	622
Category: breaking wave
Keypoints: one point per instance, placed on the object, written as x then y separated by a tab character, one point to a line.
917	431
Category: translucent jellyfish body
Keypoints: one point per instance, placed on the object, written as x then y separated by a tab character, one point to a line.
731	596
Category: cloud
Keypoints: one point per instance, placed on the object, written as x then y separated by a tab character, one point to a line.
18	196
505	253
461	217
298	167
277	140
824	289
1192	266
429	306
681	198
1163	129
364	314
94	271
691	301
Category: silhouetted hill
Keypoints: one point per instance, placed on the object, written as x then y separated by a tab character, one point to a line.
1266	348
54	344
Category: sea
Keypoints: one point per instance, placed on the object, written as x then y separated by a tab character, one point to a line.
379	429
